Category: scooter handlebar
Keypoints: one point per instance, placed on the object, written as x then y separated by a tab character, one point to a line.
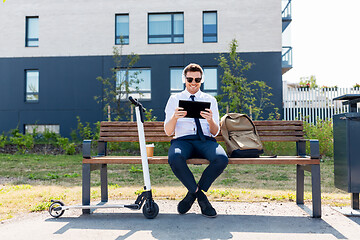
141	108
134	101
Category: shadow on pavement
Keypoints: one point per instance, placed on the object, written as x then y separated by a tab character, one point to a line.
355	219
174	226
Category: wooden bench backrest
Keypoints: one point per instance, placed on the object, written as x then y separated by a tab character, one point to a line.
269	131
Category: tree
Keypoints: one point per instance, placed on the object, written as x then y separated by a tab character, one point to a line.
121	83
262	95
239	94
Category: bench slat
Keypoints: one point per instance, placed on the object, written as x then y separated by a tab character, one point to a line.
281	133
279	128
161	128
280	138
131	129
276	122
220	139
161	124
162	134
132	134
164	160
134	139
130	124
261	129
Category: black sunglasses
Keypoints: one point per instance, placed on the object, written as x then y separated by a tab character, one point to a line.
190	79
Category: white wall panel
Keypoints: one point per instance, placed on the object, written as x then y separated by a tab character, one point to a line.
87	27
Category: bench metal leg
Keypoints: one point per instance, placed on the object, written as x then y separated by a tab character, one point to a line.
301	148
104	183
316	190
299	184
102	148
355	201
86	187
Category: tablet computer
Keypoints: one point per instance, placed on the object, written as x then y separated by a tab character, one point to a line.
193	108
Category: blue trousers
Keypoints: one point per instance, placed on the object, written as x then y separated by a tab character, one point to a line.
187	147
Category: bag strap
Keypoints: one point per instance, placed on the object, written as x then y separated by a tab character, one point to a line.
225	132
254	127
255	131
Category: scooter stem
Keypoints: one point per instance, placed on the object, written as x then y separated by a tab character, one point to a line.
144	158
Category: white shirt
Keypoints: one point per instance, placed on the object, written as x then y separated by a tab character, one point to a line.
186	126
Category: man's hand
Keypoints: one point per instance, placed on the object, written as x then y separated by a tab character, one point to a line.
179	113
170	125
207	114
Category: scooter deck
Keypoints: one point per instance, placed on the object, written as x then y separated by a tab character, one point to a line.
131	206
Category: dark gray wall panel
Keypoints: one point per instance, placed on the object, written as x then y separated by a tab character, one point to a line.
68	85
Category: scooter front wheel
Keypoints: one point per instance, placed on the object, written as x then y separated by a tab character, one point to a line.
53	211
150	210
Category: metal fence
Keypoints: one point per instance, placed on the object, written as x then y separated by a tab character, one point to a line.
313	104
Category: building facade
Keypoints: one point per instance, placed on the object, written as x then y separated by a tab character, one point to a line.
51	52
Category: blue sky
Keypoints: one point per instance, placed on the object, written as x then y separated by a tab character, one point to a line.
325	38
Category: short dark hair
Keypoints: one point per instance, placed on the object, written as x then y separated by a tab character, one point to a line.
193	67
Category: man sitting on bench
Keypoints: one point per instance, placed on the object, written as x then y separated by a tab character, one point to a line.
194	137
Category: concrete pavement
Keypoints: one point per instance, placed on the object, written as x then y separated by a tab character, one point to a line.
235	221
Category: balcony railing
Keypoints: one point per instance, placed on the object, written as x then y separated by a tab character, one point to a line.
286	12
286	57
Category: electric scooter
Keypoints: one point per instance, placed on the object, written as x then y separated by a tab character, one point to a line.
150	208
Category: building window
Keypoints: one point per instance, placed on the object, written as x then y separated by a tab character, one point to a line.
209	27
211	79
41	128
32	85
121	29
138	82
32	32
166	28
176	84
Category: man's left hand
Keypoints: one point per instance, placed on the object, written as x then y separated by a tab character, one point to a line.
207	114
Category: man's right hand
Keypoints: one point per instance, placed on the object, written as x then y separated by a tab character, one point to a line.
179	113
170	125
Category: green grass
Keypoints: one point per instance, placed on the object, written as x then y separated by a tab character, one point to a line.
41	169
63	170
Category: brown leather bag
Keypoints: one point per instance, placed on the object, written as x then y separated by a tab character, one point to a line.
240	136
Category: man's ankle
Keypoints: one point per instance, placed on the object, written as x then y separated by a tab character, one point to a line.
200	195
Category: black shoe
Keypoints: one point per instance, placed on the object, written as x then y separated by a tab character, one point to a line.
206	209
185	204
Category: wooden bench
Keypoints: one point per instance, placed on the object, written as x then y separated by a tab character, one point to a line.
269	131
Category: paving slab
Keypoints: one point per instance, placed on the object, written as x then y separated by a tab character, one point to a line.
261	220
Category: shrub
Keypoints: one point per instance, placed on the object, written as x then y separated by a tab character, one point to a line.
3	139
47	137
96	134
74	136
279	148
149	117
50	137
85	131
69	148
22	141
323	131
